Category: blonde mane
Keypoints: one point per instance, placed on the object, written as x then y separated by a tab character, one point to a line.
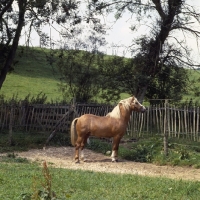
115	113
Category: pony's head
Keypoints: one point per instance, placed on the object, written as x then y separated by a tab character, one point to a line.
133	104
130	104
136	106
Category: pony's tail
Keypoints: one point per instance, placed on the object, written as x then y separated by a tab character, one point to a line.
73	132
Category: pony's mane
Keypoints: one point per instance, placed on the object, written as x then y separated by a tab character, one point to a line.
115	113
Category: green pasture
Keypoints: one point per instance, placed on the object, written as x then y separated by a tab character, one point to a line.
20	179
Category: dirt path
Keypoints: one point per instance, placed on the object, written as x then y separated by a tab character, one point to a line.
62	157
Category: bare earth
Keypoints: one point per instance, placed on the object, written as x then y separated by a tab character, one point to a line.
62	157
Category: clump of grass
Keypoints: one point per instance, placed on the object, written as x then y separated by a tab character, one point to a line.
150	150
13	158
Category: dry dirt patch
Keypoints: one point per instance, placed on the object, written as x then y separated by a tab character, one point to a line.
62	157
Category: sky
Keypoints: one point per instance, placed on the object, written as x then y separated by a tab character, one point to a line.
118	35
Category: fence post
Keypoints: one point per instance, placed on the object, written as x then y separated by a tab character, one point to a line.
11	126
165	139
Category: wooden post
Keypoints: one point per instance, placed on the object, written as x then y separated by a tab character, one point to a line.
11	126
165	139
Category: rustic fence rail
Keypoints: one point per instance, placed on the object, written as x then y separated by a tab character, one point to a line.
181	123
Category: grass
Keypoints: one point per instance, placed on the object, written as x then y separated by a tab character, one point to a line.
21	180
32	75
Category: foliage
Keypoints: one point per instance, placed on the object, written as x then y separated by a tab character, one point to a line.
170	83
40	98
80	75
119	77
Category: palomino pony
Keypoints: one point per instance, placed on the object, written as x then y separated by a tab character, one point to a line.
113	125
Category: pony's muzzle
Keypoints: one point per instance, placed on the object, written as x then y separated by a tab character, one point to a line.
143	109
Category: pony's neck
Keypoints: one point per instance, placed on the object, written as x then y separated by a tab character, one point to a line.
125	114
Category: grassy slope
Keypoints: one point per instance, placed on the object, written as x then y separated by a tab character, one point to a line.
33	75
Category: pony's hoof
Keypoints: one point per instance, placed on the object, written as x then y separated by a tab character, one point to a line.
114	160
77	161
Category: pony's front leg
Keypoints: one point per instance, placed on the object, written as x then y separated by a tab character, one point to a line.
114	155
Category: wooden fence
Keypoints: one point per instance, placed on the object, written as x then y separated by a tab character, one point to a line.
180	123
157	119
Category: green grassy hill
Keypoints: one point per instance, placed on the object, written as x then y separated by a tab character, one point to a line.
32	75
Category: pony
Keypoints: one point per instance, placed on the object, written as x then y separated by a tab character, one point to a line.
113	125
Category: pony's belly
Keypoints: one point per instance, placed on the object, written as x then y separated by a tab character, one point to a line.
104	133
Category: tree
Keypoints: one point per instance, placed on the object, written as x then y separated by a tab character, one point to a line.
170	83
80	70
15	14
119	77
80	77
161	46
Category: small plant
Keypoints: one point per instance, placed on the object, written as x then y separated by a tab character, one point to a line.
45	192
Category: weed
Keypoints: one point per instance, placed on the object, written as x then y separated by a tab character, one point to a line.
45	191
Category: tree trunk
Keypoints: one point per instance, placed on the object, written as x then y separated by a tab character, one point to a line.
140	94
12	52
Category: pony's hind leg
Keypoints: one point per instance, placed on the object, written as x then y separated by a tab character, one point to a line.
77	146
80	144
76	153
82	149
